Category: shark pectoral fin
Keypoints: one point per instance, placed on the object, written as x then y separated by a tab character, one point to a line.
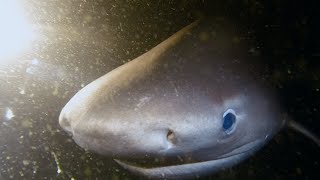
184	171
299	128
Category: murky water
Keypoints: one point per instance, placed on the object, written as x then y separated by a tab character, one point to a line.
75	42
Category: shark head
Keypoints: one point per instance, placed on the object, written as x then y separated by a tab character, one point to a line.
192	105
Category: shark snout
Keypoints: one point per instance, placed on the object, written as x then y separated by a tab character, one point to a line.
65	123
74	111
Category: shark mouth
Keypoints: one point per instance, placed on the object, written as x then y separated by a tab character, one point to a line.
193	170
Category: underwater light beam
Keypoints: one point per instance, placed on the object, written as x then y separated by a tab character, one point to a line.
15	32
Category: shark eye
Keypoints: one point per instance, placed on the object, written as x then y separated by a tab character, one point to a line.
229	121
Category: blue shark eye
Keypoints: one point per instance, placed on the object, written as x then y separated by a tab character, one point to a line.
229	121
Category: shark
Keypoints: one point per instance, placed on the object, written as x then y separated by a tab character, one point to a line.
195	104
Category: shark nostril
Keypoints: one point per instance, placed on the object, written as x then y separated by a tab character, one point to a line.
170	136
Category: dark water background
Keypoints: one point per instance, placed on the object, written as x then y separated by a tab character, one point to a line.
84	39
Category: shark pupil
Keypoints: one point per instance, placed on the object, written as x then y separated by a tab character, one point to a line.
228	121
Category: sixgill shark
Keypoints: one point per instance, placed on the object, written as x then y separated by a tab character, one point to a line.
191	106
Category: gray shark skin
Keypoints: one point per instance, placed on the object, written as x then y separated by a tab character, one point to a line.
163	114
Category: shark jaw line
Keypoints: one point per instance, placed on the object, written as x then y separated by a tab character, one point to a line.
191	170
186	171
